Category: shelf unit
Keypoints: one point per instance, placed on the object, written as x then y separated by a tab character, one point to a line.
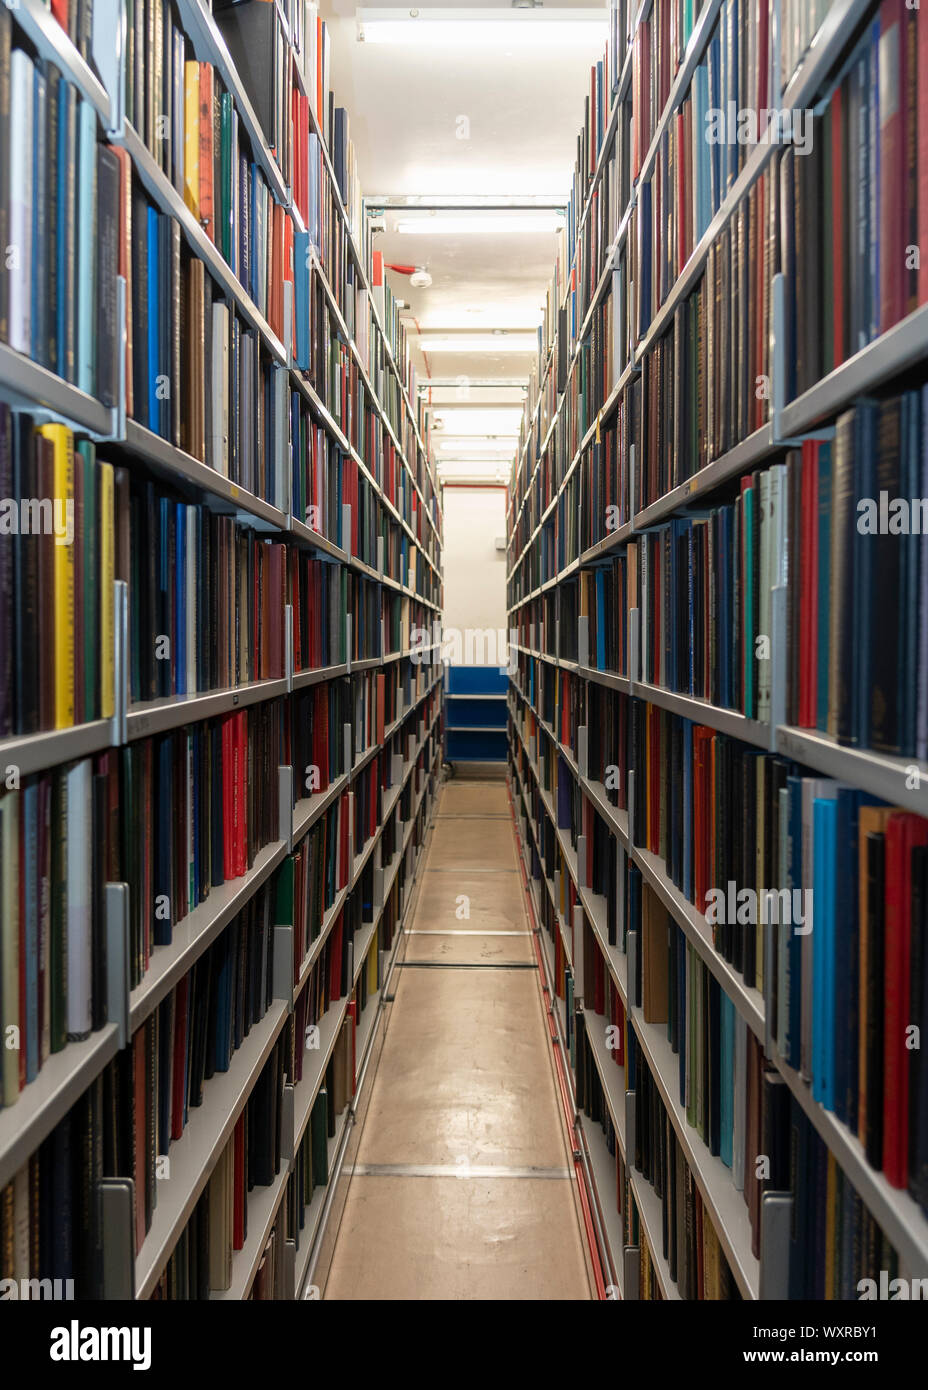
475	718
29	387
899	781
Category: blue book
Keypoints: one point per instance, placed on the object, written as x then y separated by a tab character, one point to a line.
154	313
824	585
726	1077
180	600
301	300
789	1045
846	1032
600	620
823	953
713	64
86	247
703	169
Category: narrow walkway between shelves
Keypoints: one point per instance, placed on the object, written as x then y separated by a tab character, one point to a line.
451	1195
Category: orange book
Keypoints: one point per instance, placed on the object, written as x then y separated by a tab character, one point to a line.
207	214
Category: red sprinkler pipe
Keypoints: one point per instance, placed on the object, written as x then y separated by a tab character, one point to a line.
562	1086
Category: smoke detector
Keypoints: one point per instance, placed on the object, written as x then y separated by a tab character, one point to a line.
420	279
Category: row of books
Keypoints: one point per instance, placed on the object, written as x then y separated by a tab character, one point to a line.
836	518
59	216
854	208
309	880
690	1246
706	383
191	1037
858	546
838	998
59	294
738	1105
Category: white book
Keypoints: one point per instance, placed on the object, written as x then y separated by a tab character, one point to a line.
79	900
220	395
19	252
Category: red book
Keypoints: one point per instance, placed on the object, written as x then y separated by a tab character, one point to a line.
903	831
893	219
228	782
180	1058
207	220
60	11
241	748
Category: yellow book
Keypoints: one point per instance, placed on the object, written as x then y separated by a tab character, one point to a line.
372	969
63	442
192	137
107	579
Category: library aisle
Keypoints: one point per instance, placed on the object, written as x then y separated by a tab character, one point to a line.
462	1187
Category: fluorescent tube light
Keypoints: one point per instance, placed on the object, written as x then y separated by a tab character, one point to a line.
484	29
481	224
479	342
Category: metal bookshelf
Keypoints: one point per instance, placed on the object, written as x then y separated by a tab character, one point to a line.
27	386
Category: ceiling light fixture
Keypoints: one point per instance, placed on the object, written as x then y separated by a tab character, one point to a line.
479	342
481	224
527	28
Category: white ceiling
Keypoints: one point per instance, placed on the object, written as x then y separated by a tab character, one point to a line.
520	113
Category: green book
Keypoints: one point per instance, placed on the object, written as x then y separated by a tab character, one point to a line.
319	1144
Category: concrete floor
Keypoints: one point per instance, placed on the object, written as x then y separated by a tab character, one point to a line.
461	1187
